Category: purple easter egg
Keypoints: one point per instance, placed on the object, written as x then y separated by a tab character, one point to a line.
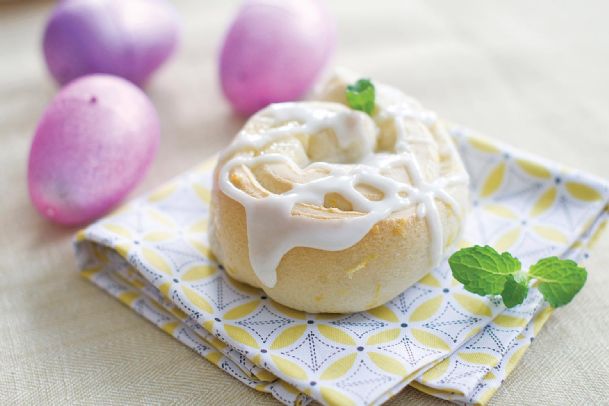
94	143
274	50
127	38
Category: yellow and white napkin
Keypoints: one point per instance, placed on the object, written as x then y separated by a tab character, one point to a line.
152	255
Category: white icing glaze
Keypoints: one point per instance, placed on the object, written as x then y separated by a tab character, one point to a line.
273	230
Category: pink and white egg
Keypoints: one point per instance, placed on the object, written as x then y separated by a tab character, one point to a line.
127	38
274	50
93	144
99	135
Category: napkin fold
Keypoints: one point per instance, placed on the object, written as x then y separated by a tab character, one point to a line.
152	255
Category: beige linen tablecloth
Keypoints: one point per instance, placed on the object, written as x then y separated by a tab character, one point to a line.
532	74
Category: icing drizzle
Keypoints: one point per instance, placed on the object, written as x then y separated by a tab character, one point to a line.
272	226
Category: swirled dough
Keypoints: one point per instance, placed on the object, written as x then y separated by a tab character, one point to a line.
331	210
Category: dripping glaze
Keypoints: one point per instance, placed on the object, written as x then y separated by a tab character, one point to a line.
273	230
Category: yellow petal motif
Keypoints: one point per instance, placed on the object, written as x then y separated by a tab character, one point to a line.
436	371
161	218
551	233
541	318
427	309
509	321
293	313
515	358
454	282
89	272
128	297
384	336
208	325
500	210
336	335
156	236
473	304
241	310
384	313
289	368
472	333
162	193
430	280
202	248
582	192
178	313
198	227
118	230
289	388
534	169
262	387
484	397
545	201
339	368
156	261
197	300
217	344
214	357
264	375
170	327
493	181
388	364
198	272
138	284
335	398
250	290
599	230
164	289
507	240
430	340
483	145
479	358
240	335
288	336
203	193
123	248
81	235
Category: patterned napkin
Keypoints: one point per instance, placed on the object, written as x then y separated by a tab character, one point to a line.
152	255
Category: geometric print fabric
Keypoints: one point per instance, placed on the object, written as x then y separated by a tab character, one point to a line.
152	256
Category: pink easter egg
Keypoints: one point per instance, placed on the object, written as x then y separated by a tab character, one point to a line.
127	38
94	143
274	50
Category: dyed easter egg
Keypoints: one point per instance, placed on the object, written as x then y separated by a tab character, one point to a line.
93	144
127	38
273	51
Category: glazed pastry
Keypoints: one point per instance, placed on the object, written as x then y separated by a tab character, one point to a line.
328	209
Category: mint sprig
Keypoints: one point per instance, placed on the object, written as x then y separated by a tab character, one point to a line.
514	291
484	271
361	95
559	279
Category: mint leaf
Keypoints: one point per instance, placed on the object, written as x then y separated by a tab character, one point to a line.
360	96
559	279
515	290
482	270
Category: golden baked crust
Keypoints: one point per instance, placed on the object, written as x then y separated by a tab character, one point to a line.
392	256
